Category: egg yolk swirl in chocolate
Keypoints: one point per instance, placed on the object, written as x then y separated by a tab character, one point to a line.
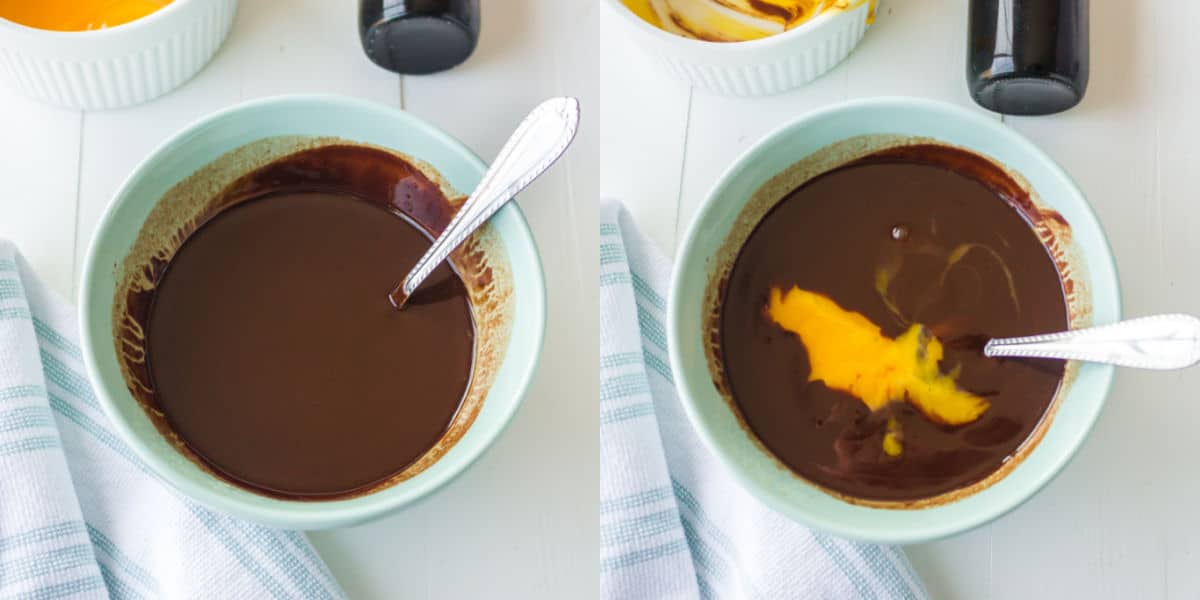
848	352
851	324
734	20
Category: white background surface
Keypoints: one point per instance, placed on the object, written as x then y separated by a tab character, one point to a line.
1120	521
521	523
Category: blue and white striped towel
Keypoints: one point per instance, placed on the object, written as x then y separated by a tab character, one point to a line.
673	524
80	515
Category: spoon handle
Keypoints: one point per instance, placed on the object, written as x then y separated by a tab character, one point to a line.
1158	342
538	141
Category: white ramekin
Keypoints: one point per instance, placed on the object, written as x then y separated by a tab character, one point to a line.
116	67
759	67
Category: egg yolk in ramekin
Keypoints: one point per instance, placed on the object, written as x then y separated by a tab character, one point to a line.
77	15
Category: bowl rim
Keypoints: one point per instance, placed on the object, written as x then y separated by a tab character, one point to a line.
140	22
746	45
687	257
300	514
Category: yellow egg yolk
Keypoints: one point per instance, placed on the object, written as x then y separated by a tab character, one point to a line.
893	440
77	15
849	353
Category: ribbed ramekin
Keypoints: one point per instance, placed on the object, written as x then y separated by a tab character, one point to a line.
759	67
116	67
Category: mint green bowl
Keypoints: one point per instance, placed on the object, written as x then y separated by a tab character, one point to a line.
318	116
1079	402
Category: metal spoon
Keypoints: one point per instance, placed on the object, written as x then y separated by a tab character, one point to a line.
1158	342
539	140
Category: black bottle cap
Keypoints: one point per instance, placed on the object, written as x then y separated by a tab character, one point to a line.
1027	57
1026	96
418	37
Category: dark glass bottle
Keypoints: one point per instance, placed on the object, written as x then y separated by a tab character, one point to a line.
417	37
1027	57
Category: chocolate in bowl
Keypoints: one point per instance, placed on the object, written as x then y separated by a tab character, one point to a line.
962	247
249	327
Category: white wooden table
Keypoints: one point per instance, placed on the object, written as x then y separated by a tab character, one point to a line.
1120	521
521	523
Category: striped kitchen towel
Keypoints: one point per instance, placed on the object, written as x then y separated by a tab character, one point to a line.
673	524
80	515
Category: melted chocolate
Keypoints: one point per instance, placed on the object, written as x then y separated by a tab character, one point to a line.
911	208
273	350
